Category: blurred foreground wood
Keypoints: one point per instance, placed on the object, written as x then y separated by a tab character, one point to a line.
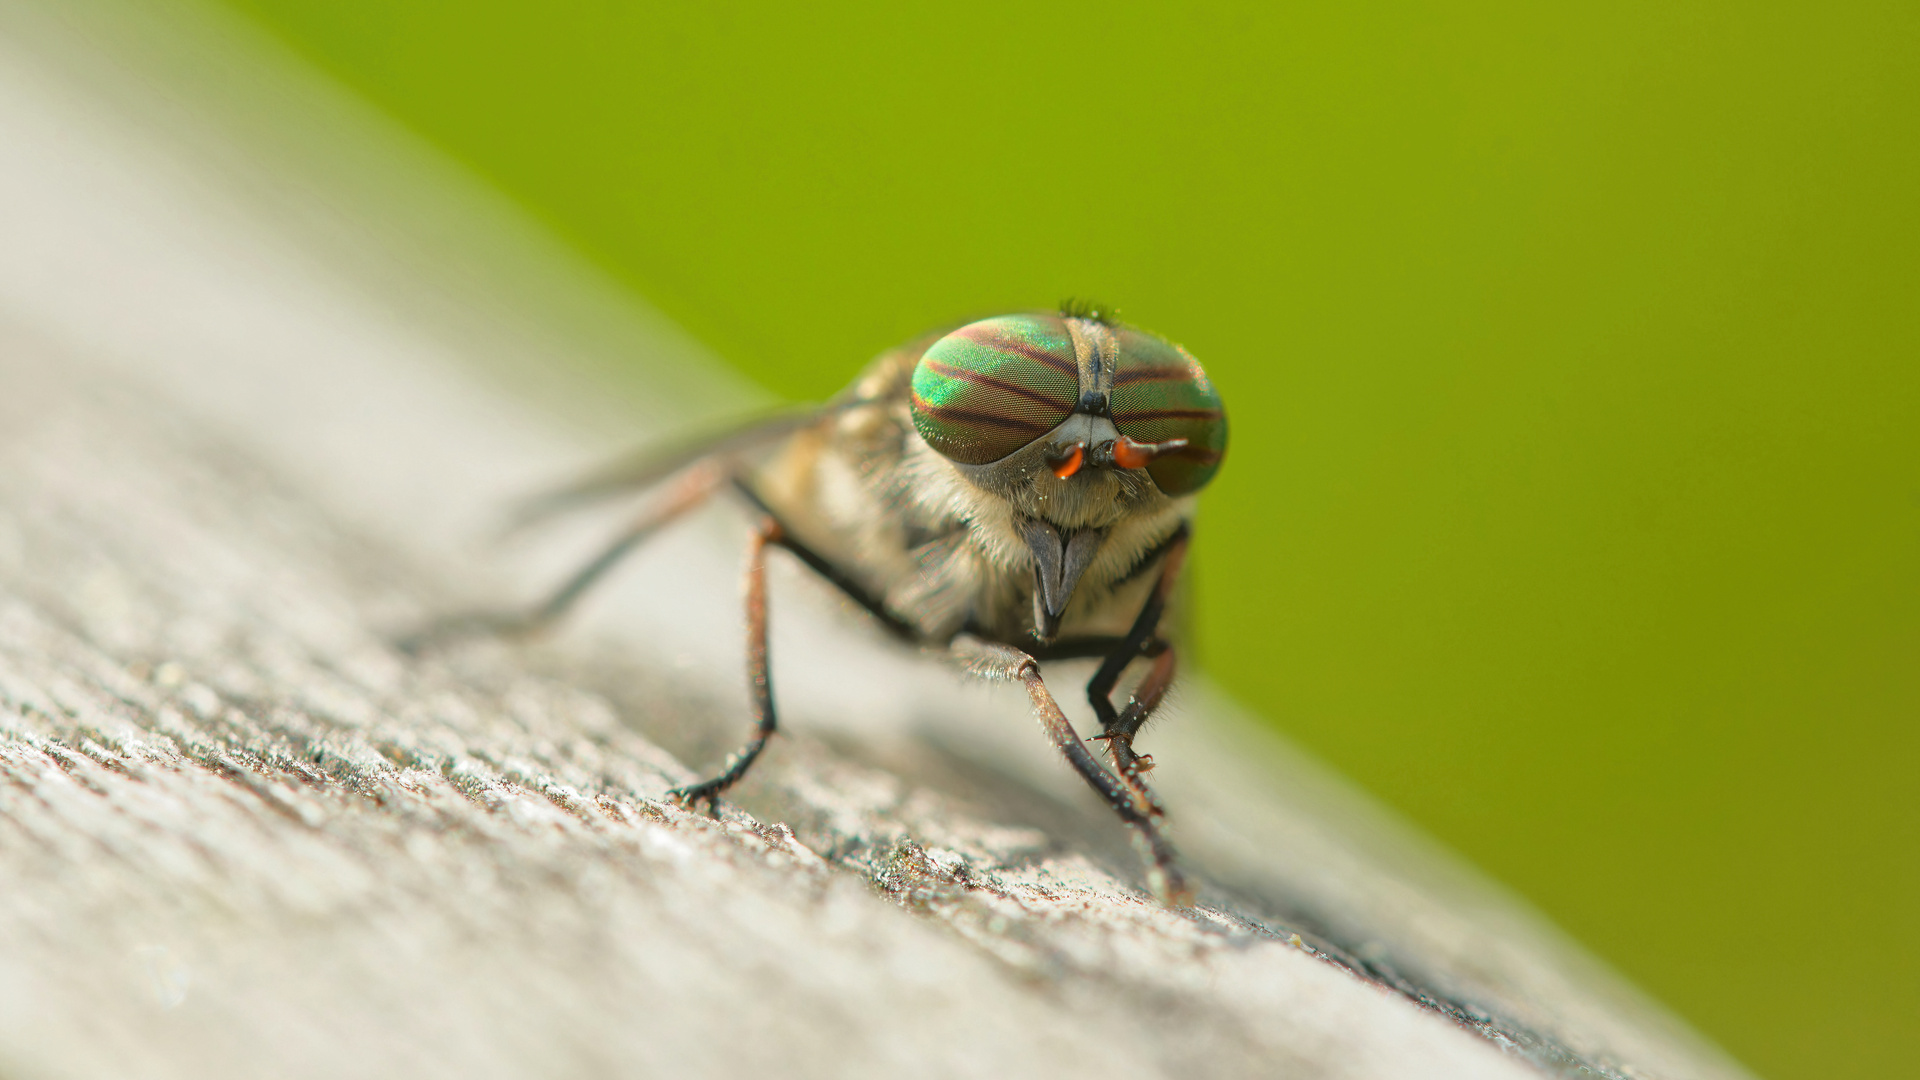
241	835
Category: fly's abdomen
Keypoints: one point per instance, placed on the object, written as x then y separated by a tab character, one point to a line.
992	387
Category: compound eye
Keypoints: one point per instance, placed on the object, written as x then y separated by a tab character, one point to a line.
1160	393
992	387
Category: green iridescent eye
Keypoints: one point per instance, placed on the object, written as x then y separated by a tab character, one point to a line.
1160	393
991	387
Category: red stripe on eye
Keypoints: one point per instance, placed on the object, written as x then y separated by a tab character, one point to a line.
987	419
979	379
993	337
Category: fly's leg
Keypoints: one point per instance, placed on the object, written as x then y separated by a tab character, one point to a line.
694	487
759	674
1119	727
1005	662
1145	699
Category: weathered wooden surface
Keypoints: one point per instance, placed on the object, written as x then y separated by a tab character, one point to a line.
241	835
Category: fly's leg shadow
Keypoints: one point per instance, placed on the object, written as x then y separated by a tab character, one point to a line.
996	661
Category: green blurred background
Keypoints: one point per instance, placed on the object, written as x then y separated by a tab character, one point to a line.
1573	358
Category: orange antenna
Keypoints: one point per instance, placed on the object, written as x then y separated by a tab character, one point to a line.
1071	463
1134	455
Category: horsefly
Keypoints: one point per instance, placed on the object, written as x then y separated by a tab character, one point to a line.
1016	491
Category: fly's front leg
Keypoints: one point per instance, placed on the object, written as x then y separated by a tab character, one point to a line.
693	487
1005	662
759	674
1145	699
1119	727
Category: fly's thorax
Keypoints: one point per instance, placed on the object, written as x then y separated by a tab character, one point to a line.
836	487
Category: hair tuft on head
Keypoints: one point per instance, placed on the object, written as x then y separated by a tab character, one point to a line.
1074	307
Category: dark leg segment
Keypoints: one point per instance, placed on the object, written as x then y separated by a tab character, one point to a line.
759	674
1146	627
834	576
1004	661
689	491
1117	728
1146	698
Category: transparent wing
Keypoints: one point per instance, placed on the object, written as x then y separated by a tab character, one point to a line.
653	465
689	470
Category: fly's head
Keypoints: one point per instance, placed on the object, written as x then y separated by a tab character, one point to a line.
1077	423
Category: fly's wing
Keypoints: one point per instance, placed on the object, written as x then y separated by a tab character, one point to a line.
653	465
